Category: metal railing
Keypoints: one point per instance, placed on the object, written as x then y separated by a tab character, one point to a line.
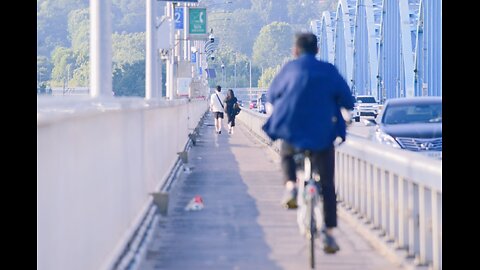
396	191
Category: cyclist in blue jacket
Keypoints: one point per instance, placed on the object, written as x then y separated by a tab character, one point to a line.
306	96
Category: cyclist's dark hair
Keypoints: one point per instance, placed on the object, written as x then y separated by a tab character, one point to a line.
306	42
219	88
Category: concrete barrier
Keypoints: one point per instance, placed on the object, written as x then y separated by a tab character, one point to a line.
97	162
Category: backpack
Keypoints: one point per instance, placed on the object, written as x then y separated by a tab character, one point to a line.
236	108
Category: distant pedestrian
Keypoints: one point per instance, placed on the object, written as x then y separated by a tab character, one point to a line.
217	107
230	102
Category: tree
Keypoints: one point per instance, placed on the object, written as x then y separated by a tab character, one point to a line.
128	16
273	45
303	11
278	12
245	30
267	77
52	20
262	7
271	10
63	61
128	48
44	69
79	29
129	80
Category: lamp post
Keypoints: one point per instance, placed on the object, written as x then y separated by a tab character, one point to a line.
223	76
250	64
235	72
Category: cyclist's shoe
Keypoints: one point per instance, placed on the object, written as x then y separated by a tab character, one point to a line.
330	245
289	200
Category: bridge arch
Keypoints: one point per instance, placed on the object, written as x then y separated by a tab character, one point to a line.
365	63
395	67
326	46
428	49
343	43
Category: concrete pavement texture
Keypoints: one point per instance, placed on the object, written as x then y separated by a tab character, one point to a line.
242	225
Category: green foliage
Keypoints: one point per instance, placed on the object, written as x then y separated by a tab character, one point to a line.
262	7
63	60
278	12
130	79
128	48
273	45
234	63
128	16
79	29
302	11
44	69
52	21
267	77
240	31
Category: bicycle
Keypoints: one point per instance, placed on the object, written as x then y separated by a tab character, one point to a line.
309	201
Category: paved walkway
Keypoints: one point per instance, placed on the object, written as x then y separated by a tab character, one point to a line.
242	225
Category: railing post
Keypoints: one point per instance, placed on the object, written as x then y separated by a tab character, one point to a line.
362	189
100	48
376	199
391	211
401	213
383	192
413	222
351	182
369	194
425	227
436	230
355	185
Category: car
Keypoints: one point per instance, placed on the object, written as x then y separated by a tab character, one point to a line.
261	100
365	106
253	104
413	123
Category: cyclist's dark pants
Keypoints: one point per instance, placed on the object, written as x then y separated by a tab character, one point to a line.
323	162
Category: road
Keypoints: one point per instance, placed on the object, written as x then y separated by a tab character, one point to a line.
361	130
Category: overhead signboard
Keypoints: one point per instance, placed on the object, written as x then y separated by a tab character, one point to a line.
178	16
197	23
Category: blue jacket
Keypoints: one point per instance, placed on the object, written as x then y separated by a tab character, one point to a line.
307	95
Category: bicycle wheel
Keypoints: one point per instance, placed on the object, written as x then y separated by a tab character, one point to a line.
311	232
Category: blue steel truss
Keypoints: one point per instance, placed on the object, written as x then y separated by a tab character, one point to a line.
343	42
326	33
365	63
428	49
385	48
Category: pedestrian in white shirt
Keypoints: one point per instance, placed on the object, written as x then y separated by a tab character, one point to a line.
217	107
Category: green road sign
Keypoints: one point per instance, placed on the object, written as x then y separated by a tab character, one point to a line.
197	21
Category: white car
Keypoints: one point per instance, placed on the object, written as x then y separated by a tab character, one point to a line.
365	106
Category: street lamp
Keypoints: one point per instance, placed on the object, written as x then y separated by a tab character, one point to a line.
223	74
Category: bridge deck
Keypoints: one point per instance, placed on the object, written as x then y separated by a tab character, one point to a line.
242	225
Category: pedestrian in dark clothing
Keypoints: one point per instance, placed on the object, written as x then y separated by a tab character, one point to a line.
230	101
306	96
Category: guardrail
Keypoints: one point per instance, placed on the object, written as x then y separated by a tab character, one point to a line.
397	192
97	162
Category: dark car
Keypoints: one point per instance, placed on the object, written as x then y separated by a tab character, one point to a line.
413	124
